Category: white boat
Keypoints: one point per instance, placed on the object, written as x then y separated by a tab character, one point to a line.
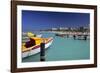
35	49
39	35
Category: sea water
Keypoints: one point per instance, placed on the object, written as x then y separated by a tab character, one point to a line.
63	48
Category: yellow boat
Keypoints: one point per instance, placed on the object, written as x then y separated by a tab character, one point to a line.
33	46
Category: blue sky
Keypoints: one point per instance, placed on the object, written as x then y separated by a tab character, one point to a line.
37	20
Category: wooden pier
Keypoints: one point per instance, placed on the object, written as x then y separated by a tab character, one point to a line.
75	35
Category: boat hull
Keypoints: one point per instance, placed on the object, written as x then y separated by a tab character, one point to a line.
36	49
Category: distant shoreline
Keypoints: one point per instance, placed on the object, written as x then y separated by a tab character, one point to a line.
69	32
66	32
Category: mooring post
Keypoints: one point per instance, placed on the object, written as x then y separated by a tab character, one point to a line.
74	37
42	51
85	37
67	35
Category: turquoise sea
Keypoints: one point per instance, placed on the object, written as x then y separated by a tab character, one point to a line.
63	48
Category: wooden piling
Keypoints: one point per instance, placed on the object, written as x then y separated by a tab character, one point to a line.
42	51
74	36
85	37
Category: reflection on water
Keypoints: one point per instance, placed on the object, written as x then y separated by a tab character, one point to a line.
63	48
